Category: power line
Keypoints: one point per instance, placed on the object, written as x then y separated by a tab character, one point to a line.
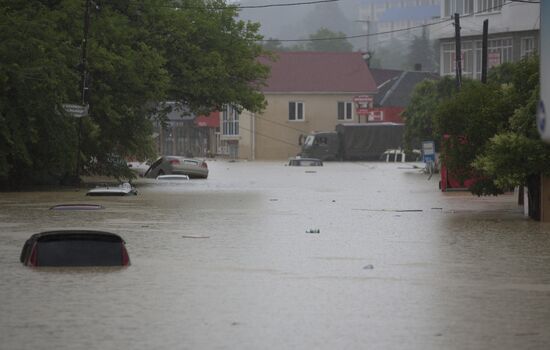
270	137
395	30
238	7
285	4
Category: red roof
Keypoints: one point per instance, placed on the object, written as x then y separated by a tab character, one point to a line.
340	72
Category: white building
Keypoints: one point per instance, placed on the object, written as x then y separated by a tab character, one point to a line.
513	33
379	16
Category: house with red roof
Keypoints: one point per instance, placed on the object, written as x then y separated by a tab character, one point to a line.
306	92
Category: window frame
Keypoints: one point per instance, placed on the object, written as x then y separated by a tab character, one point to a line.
230	121
296	117
347	110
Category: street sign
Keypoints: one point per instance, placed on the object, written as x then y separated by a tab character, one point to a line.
428	151
76	110
363	98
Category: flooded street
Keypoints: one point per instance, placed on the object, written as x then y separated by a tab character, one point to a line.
226	263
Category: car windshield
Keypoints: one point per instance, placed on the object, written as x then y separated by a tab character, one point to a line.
309	140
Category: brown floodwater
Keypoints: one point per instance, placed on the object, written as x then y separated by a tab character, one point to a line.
226	263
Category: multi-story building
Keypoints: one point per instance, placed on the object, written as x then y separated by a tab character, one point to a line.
390	16
513	33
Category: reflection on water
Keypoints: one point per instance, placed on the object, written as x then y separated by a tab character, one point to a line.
445	271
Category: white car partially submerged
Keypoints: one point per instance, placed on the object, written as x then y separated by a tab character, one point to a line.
120	190
173	177
174	165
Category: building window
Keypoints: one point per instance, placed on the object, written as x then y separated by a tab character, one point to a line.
230	121
345	111
462	7
295	110
489	5
527	46
499	51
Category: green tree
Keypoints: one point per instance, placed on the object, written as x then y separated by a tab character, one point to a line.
37	142
141	52
516	156
419	114
338	44
421	52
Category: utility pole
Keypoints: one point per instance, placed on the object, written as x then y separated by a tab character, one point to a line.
458	52
83	78
368	55
484	51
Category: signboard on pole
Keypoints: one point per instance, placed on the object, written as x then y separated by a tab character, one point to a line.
76	110
362	99
362	104
428	151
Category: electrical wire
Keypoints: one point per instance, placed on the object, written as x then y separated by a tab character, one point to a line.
238	7
394	30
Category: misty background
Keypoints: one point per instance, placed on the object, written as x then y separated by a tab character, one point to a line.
399	50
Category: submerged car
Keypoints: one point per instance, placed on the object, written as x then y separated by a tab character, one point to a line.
139	167
298	161
174	165
75	248
124	189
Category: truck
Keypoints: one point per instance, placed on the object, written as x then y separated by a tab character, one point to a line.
354	141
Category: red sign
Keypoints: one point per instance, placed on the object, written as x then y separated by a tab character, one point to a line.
376	115
210	121
493	59
362	111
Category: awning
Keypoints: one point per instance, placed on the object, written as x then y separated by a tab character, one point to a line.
210	121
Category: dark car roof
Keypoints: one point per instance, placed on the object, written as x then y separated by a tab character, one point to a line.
76	248
88	235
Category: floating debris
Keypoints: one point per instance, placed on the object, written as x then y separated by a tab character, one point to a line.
77	207
313	230
196	237
368	267
392	210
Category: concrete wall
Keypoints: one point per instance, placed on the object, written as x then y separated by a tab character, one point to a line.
277	137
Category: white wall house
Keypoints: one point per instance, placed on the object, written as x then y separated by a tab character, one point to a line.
513	33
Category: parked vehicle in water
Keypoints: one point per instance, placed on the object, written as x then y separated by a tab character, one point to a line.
354	141
75	248
173	177
399	155
174	165
140	168
299	161
120	190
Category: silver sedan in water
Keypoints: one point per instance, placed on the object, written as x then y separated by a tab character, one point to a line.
168	165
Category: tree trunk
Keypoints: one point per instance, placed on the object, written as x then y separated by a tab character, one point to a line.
533	188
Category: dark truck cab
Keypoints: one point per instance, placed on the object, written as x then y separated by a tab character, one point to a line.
366	141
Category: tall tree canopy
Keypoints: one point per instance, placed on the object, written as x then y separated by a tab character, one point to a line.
140	53
337	45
